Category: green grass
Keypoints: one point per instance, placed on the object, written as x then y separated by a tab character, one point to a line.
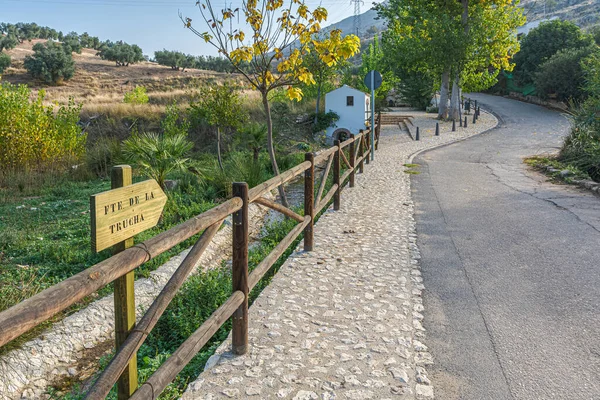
411	165
542	162
198	298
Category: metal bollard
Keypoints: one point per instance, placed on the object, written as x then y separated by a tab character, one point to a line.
437	129
466	121
418	136
453	125
475	117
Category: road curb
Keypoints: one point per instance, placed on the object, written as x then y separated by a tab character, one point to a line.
499	119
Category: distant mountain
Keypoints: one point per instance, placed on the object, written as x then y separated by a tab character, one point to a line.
584	13
369	24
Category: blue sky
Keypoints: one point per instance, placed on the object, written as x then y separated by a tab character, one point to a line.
152	24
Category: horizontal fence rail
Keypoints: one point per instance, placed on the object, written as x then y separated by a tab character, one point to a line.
44	305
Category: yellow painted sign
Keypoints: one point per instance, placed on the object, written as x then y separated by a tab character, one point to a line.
121	213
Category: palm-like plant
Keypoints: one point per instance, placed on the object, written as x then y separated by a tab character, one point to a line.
157	155
254	136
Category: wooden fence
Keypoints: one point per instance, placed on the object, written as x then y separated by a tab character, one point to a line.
353	153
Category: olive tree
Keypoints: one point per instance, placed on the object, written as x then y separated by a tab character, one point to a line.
51	62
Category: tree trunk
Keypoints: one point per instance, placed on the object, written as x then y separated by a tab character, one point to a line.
455	99
443	106
256	154
270	147
219	149
318	101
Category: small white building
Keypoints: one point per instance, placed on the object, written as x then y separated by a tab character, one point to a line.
352	106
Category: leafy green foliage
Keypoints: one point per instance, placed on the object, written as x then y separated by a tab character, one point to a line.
253	136
173	123
72	42
174	59
562	74
34	136
157	155
325	120
136	96
121	53
4	62
50	62
542	43
582	147
8	41
417	89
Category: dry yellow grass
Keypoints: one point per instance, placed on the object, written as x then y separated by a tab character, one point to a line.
100	85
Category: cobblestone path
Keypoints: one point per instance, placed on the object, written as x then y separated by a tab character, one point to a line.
343	321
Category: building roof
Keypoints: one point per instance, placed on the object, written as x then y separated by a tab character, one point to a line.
348	88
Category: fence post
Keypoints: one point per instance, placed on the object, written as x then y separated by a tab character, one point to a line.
240	270
378	130
124	295
309	208
336	176
361	151
368	141
352	161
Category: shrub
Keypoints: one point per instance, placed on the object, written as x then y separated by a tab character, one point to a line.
34	136
4	62
324	121
417	89
582	147
50	62
562	75
102	155
157	155
174	59
136	96
542	43
121	53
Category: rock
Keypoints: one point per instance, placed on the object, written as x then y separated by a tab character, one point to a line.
171	184
305	395
565	172
424	391
212	361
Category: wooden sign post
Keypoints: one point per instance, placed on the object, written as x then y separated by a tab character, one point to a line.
116	216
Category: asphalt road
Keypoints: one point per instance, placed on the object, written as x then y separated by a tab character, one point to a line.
511	265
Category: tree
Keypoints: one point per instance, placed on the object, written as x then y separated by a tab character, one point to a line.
542	43
562	74
71	41
272	56
595	32
121	53
220	106
466	43
50	62
4	62
322	73
174	59
8	41
375	59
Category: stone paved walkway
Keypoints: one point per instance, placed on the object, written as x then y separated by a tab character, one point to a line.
344	321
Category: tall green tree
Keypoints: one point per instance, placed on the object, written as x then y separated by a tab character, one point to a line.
542	43
174	59
50	62
466	42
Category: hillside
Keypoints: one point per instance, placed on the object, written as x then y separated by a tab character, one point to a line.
100	84
584	13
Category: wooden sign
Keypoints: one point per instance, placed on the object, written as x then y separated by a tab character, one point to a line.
121	213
